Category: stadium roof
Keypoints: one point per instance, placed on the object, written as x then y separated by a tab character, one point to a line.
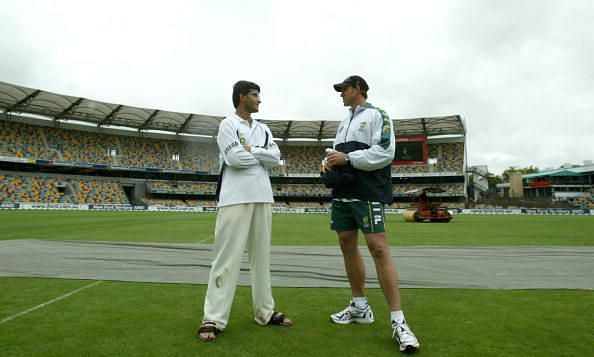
59	107
573	171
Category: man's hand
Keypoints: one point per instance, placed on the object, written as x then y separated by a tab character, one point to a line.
247	148
334	158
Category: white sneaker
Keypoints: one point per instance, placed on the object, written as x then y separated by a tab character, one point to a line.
353	314
407	341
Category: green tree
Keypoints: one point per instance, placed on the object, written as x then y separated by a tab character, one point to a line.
512	169
494	180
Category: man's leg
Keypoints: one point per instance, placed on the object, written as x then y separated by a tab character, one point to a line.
344	222
370	217
231	232
358	310
388	279
353	261
384	266
259	258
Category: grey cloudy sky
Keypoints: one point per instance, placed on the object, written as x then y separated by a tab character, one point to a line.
521	73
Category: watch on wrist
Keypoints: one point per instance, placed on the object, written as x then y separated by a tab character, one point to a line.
347	159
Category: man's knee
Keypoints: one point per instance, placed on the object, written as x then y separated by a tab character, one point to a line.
378	245
347	246
348	241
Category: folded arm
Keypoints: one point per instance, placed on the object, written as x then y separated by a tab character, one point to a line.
233	152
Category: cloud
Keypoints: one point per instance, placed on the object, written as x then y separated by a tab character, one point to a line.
519	72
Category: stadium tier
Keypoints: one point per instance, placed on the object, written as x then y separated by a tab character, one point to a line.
195	188
25	141
582	202
99	191
22	141
163	202
58	148
447	157
35	188
76	146
449	188
197	203
17	188
302	159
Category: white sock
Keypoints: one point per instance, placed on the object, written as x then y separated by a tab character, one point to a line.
397	316
360	302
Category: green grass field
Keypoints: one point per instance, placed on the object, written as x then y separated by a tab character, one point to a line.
140	319
294	229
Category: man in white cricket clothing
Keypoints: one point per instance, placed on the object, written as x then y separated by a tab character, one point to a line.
247	150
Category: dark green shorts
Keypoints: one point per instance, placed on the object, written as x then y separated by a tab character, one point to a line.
364	215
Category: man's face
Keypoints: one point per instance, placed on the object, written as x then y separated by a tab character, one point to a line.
252	101
349	95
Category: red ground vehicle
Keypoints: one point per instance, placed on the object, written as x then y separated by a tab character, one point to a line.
426	208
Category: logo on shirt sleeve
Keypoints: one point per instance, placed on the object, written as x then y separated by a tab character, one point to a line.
231	146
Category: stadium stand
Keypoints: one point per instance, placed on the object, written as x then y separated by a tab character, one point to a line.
163	202
452	157
301	189
302	204
80	146
449	157
196	203
48	143
31	188
99	192
582	202
449	188
200	188
22	141
173	156
302	159
142	152
196	156
29	141
18	188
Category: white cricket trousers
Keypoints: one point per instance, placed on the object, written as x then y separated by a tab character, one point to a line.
237	227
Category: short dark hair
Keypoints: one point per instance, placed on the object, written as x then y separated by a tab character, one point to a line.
363	93
243	88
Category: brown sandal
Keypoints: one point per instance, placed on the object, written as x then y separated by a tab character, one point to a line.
279	319
208	327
